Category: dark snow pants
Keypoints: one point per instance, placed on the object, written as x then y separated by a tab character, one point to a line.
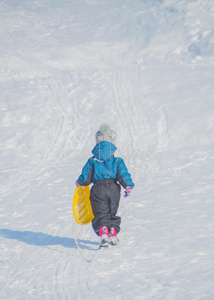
105	198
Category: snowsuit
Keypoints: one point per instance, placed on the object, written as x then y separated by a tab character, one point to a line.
107	173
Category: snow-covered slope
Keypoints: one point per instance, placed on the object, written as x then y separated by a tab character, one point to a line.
147	69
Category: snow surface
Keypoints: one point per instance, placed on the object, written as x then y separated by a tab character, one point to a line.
146	67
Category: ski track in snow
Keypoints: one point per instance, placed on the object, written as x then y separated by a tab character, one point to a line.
146	68
129	84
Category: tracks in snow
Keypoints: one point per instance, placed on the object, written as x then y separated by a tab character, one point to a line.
140	135
50	132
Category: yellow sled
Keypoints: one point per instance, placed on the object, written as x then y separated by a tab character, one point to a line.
82	210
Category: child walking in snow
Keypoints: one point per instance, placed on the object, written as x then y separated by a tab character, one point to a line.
108	173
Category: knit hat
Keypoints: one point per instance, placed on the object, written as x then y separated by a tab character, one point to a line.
106	134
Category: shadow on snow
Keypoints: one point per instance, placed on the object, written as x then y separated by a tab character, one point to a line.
43	239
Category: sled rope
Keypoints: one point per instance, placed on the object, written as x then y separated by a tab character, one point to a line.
78	248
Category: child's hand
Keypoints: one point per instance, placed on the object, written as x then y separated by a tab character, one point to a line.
128	191
76	183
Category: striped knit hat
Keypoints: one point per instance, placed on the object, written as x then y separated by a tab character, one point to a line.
106	134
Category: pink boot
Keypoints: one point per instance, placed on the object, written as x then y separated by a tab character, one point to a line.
113	236
104	236
103	230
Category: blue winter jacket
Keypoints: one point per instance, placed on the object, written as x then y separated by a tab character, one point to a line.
103	165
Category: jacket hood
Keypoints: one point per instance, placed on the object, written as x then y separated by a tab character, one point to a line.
104	151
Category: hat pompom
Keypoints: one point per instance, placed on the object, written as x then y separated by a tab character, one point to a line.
104	129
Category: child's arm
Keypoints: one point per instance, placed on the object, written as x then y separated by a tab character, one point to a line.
87	173
123	176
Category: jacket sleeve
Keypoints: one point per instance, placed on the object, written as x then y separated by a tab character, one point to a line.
123	176
87	173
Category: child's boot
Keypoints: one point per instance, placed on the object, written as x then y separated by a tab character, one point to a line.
104	237
113	236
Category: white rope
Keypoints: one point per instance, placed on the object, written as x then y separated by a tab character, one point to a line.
78	248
